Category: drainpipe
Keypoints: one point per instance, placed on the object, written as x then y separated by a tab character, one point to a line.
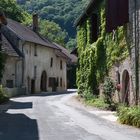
136	56
23	65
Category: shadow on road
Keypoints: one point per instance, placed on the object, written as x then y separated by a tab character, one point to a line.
48	94
18	126
53	93
20	105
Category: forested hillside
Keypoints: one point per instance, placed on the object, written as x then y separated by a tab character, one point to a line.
63	12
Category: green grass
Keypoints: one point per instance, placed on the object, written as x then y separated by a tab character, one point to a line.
97	102
3	96
129	115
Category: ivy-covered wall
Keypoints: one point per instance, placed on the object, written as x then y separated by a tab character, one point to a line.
2	64
97	58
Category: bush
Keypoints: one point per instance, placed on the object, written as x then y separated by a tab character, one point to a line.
3	95
108	90
129	115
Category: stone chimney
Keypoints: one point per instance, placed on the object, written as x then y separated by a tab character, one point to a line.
35	22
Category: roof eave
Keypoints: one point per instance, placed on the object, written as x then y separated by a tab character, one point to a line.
86	13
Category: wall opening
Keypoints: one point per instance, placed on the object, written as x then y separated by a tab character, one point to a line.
43	83
125	87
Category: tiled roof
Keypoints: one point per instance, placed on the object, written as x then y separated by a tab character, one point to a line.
7	47
72	57
26	34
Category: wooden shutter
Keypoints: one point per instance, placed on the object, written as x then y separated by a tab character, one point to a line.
116	13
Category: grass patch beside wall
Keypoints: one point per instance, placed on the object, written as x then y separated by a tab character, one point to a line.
3	96
129	115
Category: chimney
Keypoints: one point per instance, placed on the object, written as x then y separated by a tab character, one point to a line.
35	22
2	18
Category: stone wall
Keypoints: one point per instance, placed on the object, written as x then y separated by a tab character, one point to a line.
35	64
133	33
117	74
12	72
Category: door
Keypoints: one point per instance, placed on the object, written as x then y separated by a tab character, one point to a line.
32	86
43	84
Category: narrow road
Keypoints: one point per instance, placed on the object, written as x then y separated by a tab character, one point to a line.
54	117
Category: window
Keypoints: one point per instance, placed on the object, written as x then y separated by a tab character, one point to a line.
51	64
61	67
118	77
52	81
57	82
60	82
9	83
35	50
94	28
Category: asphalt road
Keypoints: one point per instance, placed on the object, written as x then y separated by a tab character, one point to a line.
55	117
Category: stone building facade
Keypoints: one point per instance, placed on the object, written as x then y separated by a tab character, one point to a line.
36	64
126	74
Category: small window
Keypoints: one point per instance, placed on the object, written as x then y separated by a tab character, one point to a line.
9	83
94	28
51	64
60	82
35	50
57	82
61	65
118	77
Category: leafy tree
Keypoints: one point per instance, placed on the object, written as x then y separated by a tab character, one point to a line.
52	31
14	11
63	12
71	43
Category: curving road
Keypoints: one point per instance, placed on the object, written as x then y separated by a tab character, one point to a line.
57	117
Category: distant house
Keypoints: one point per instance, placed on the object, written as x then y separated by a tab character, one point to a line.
100	22
33	64
71	68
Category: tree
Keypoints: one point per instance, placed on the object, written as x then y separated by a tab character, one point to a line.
14	11
53	32
62	12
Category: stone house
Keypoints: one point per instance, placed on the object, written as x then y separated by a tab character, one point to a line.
125	73
34	64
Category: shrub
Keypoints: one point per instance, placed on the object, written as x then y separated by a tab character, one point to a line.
3	95
108	90
129	115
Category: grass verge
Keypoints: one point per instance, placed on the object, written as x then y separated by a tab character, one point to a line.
129	115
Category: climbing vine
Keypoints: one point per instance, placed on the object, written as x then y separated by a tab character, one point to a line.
97	58
2	64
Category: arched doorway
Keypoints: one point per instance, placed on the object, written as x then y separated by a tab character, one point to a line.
125	87
43	84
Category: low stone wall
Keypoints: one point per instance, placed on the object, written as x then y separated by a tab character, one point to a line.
11	92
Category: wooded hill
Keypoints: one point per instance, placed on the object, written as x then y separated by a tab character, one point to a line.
63	12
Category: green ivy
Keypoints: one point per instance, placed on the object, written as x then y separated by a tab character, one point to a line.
2	63
96	59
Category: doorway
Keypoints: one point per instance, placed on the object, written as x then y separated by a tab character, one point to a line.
32	86
43	84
